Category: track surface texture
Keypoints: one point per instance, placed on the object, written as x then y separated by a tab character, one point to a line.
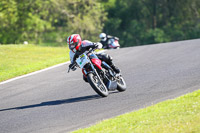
55	101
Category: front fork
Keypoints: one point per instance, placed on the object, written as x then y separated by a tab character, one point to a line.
91	69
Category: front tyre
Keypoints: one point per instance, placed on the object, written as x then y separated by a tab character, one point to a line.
97	85
121	84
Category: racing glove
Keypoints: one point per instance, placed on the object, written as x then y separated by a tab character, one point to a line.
98	45
72	66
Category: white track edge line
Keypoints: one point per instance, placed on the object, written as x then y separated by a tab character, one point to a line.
32	73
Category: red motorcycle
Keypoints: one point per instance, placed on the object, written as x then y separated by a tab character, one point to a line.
99	74
113	44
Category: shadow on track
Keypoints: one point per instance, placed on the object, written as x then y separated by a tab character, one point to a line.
56	102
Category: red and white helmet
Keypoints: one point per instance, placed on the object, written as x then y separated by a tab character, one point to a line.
74	42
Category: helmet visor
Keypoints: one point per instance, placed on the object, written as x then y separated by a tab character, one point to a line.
72	46
103	38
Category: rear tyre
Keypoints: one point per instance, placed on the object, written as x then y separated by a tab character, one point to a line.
121	84
97	85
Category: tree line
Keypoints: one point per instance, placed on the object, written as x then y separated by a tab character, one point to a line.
49	21
135	22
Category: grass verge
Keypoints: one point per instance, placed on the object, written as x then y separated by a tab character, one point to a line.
181	115
16	60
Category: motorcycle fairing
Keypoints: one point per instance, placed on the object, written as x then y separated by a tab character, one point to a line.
97	62
111	85
113	43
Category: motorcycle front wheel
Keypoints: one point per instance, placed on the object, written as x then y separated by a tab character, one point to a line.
98	86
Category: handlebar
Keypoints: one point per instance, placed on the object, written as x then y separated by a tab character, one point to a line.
91	49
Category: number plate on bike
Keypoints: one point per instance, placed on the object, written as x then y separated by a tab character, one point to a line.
82	60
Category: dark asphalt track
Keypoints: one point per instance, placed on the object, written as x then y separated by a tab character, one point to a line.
55	101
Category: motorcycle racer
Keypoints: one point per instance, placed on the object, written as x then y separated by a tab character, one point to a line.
104	39
77	47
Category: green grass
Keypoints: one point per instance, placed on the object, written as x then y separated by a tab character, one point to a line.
16	60
181	115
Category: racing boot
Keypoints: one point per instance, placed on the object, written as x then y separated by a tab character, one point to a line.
116	69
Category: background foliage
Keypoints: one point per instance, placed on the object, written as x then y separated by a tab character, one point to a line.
139	22
135	22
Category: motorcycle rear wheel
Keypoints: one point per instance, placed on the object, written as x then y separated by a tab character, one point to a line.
121	84
98	86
